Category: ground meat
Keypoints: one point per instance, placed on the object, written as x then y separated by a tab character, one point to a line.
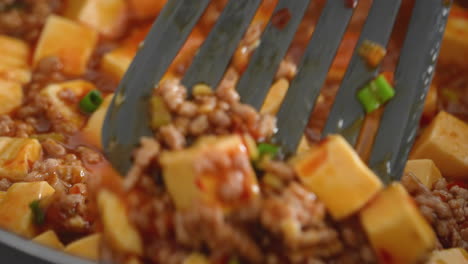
172	137
60	173
204	225
173	93
14	128
4	184
280	169
53	149
445	208
287	69
226	89
143	156
25	18
199	125
88	155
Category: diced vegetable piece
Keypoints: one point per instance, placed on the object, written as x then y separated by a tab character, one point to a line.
17	155
14	60
91	101
74	48
188	181
334	172
445	142
449	256
251	146
70	112
382	89
196	258
108	17
160	115
50	239
118	230
93	129
425	170
202	89
116	62
87	247
11	96
368	100
454	48
146	8
373	53
275	97
395	227
15	213
266	149
38	215
377	93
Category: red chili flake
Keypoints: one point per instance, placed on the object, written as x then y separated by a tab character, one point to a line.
457	183
351	3
281	18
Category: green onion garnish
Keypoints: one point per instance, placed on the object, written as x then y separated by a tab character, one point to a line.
37	212
91	102
265	149
375	94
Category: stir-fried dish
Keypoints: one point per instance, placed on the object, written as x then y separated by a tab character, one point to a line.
209	187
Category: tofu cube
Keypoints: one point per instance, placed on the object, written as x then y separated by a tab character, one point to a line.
449	256
396	229
87	247
17	156
118	230
15	214
445	141
49	239
69	112
425	170
93	129
71	42
11	96
116	62
454	48
15	52
108	17
2	196
189	181
146	8
334	172
14	60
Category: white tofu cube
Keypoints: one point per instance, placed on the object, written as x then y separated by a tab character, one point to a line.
17	156
67	40
334	172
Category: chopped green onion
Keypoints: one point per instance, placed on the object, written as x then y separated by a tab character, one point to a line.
375	94
368	99
91	102
37	212
265	149
383	89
